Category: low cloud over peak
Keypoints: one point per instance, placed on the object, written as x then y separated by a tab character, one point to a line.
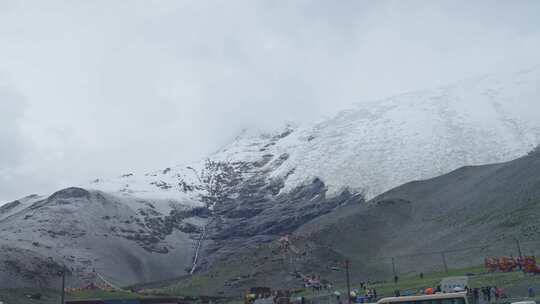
98	88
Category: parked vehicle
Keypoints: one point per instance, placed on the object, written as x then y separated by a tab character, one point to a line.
451	284
439	298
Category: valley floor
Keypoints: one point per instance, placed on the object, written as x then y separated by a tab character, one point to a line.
514	283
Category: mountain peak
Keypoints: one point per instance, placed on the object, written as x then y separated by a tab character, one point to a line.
375	146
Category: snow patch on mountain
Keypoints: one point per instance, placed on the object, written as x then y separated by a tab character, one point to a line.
376	146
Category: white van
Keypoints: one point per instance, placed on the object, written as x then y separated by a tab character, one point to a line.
451	284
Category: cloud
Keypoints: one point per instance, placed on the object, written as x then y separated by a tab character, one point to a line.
11	109
11	145
115	86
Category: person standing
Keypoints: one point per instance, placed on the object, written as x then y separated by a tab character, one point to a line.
493	292
485	292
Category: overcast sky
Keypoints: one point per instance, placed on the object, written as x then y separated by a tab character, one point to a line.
97	88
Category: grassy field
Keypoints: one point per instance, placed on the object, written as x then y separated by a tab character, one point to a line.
515	284
98	294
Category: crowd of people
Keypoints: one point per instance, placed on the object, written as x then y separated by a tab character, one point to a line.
364	294
487	294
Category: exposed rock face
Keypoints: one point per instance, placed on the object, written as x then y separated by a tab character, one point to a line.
260	214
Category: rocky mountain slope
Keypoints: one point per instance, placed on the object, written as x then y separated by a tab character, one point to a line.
468	214
263	185
91	231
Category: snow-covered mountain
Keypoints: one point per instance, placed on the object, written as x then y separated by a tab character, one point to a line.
262	185
376	146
